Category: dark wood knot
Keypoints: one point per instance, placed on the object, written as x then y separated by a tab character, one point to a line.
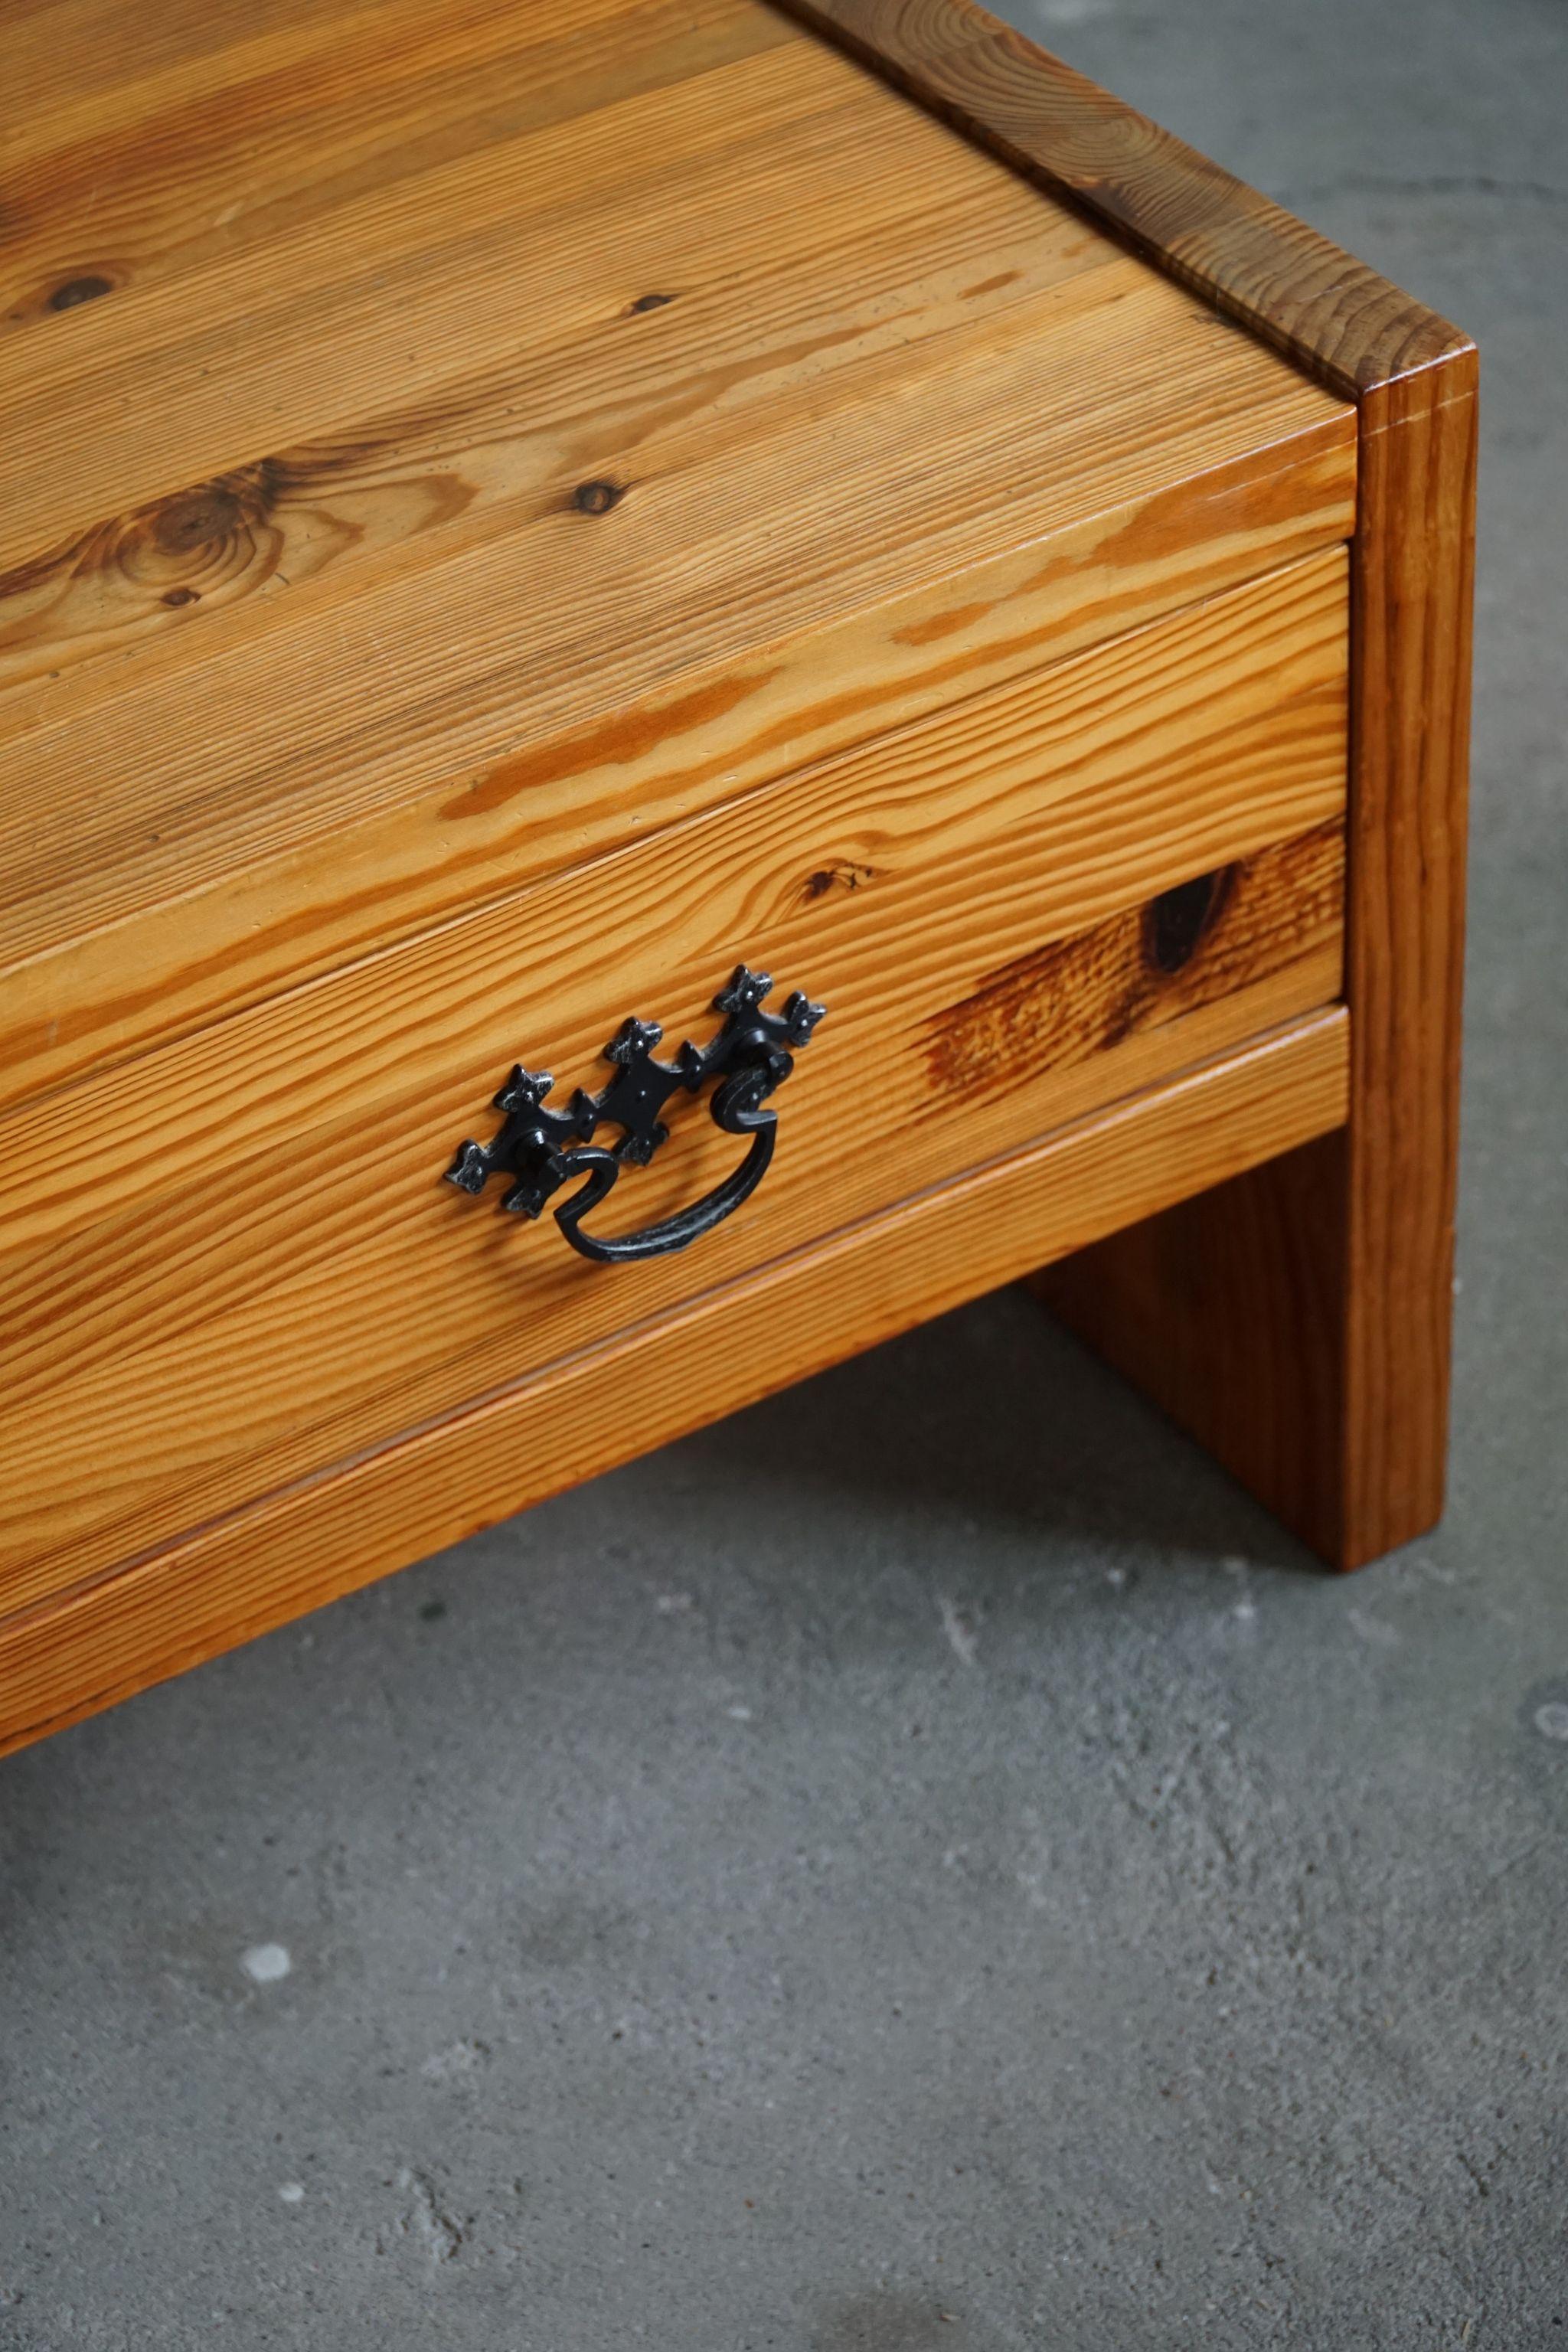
193	519
79	289
597	497
1175	922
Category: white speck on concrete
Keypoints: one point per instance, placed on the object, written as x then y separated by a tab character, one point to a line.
955	1625
1551	1720
292	2193
1372	1629
266	1963
1116	1578
1246	1609
739	1714
673	1604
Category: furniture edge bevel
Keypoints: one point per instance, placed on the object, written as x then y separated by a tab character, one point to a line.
1336	318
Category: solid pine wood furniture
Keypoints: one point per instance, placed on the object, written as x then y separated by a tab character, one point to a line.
510	511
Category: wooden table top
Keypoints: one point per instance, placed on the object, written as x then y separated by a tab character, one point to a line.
395	393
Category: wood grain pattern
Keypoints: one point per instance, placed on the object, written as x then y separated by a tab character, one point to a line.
493	450
1298	1324
279	1174
393	300
300	657
90	997
1189	946
60	53
1257	263
296	1549
1413	596
218	150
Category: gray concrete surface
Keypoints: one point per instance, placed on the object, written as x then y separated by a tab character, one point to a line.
924	1866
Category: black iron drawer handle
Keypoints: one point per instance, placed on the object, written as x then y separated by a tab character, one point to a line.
750	1057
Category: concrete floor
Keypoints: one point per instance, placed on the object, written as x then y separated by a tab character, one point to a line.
925	1866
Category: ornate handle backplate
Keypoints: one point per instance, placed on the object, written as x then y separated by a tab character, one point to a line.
545	1149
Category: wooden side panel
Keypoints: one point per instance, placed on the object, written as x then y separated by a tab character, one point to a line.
1299	1321
1412	596
298	1549
945	892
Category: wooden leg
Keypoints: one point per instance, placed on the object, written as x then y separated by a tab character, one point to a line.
1230	1311
1297	1320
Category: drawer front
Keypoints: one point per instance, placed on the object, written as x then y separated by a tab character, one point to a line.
231	1264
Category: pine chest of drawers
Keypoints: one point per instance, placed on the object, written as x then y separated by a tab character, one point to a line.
781	641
